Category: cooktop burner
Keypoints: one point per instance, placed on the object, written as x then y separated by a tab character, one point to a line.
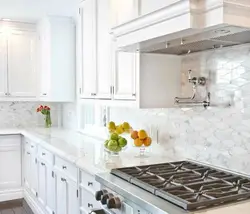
188	185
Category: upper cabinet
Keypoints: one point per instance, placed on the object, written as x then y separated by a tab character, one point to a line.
95	49
22	64
18	61
143	80
57	59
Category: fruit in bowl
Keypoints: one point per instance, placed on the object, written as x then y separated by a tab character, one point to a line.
141	138
119	129
115	143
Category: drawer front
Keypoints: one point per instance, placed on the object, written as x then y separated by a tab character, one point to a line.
67	168
88	182
87	201
45	155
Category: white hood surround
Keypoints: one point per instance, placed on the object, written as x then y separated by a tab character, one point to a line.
181	19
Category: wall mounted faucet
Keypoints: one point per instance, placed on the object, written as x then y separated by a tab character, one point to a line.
189	101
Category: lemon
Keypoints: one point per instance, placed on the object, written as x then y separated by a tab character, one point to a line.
119	129
111	125
126	126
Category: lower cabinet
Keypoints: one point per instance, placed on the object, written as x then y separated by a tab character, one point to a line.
10	167
46	186
56	186
67	195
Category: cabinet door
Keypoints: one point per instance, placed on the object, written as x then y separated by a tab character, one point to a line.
104	68
10	163
3	65
125	76
33	174
61	195
26	168
21	64
66	196
45	57
88	29
42	174
50	189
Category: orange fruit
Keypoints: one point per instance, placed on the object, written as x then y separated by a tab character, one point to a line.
142	134
138	142
134	135
147	141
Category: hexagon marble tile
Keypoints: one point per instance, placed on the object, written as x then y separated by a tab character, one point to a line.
23	114
219	135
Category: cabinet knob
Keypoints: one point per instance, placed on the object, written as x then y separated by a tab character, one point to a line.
133	95
32	146
99	194
28	153
90	205
43	164
64	167
44	94
6	94
43	154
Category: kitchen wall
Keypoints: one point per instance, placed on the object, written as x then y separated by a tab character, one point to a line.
23	114
218	135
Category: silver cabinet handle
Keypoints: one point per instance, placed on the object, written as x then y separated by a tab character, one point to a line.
6	94
64	167
63	179
90	183
28	153
43	164
32	146
90	205
44	94
43	154
93	94
133	95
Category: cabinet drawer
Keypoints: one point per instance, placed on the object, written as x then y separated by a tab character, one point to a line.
45	155
88	182
87	201
66	167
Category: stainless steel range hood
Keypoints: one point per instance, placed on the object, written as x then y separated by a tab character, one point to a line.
217	38
193	26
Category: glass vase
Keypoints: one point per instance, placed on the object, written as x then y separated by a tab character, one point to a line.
48	122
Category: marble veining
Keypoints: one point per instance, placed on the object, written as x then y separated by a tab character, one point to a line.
23	114
219	135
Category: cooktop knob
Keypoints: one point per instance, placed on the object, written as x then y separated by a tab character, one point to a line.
114	203
99	194
105	198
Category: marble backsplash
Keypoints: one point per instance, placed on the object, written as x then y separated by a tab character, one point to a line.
23	114
219	135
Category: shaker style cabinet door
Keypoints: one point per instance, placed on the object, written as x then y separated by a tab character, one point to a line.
125	76
88	29
3	65
21	64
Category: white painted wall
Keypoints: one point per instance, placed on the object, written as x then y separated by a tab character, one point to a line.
35	9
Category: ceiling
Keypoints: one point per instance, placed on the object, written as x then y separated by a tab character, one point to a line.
35	9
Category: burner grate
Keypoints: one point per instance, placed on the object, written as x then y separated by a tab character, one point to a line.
188	185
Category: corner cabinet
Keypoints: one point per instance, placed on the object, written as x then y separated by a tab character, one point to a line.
57	59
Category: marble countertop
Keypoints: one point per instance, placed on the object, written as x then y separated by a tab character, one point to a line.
85	152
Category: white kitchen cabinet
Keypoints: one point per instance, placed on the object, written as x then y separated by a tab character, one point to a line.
46	186
57	59
88	27
34	170
96	49
66	195
125	76
3	65
22	64
10	167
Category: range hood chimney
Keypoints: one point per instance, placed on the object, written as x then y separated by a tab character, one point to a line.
187	26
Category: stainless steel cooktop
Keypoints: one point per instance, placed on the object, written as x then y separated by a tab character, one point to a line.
189	185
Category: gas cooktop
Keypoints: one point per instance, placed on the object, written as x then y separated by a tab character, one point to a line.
186	184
